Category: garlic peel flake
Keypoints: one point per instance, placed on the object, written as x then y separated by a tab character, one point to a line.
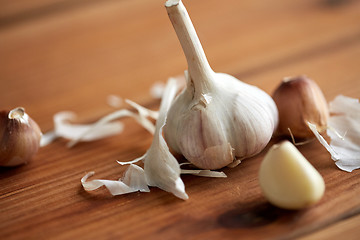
133	181
132	161
142	110
47	138
65	129
201	172
344	119
107	120
161	168
322	140
114	101
204	173
157	89
104	127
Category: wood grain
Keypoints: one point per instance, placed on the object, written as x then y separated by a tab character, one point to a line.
74	57
337	231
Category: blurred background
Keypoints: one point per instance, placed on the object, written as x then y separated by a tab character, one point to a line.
71	54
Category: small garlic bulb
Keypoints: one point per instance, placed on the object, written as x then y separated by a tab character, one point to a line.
300	100
20	137
217	118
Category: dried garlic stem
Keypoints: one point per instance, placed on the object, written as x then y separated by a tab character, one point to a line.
198	65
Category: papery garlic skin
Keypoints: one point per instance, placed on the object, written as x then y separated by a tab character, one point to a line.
133	181
160	166
216	118
344	133
20	137
300	100
288	180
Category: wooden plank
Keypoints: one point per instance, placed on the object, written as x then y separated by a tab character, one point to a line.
17	12
348	228
73	60
47	192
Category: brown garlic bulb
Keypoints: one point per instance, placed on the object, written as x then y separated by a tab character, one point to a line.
300	100
20	137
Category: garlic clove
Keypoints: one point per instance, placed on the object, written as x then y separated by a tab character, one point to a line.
20	137
300	100
288	180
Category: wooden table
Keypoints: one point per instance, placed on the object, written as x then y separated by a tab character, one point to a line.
71	54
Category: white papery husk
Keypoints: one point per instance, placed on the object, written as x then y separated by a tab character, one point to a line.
64	128
158	88
344	132
104	127
161	169
114	101
133	181
204	173
104	121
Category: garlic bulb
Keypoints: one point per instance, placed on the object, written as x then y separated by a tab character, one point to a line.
288	180
20	137
300	100
216	118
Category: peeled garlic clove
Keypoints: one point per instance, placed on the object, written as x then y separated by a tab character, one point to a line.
300	100
288	180
20	137
216	118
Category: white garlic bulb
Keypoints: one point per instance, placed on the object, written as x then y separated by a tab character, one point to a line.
217	118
